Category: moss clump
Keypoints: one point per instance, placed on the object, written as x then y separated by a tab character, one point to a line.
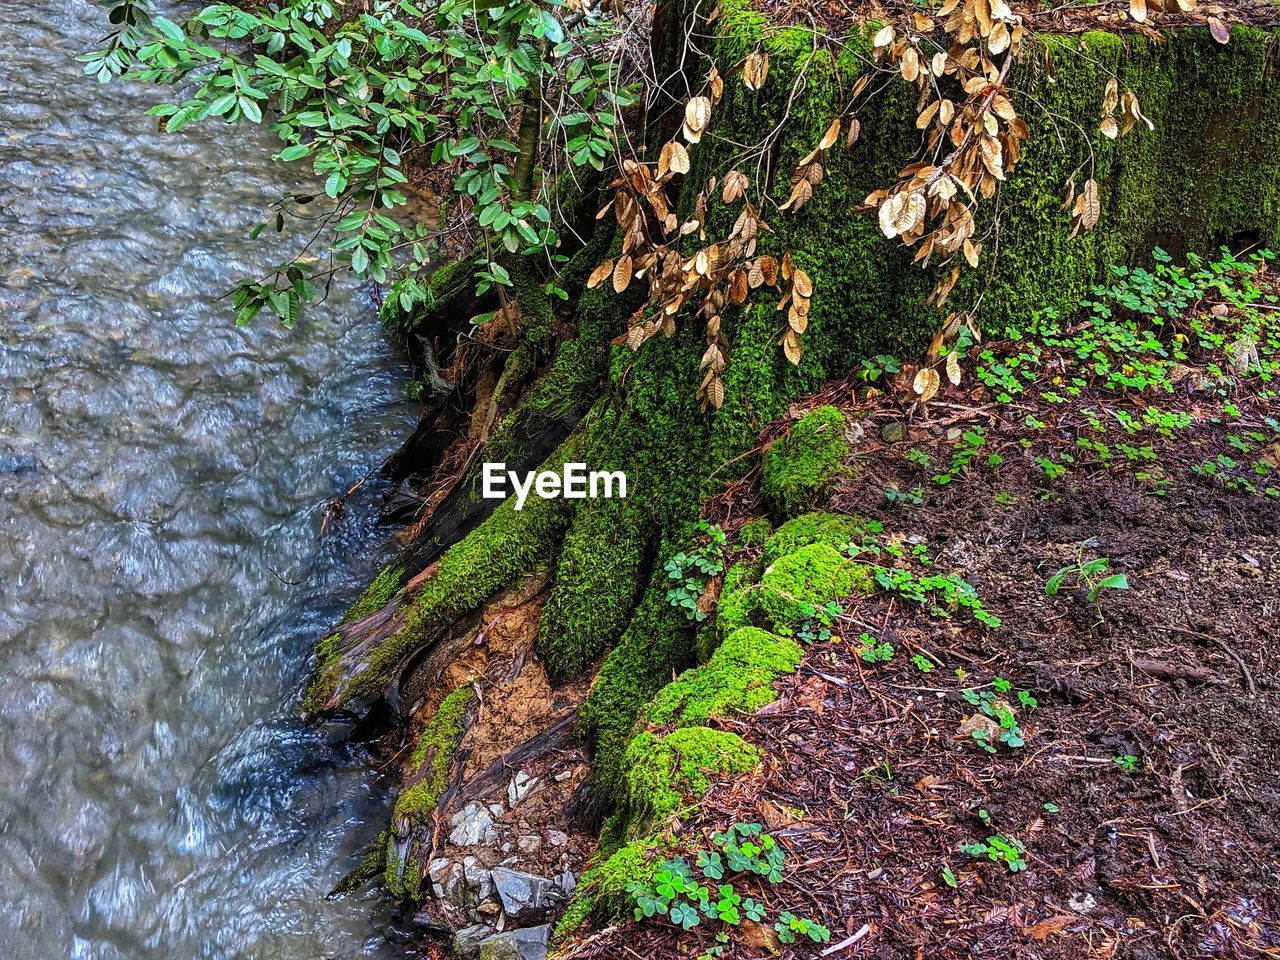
801	467
831	528
735	608
737	679
603	888
754	533
434	750
811	575
596	587
662	772
376	595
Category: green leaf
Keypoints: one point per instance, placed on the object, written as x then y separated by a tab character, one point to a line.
170	29
295	152
1054	583
250	109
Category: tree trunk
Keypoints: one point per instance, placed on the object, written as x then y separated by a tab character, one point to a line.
598	403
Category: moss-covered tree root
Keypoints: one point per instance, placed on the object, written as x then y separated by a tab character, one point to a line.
1209	171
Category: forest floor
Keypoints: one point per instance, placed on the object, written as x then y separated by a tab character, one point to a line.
1136	810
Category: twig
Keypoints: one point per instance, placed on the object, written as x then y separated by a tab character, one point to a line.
1244	669
847	941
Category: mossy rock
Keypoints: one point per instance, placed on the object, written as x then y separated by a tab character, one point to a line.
737	679
800	468
664	773
811	576
835	529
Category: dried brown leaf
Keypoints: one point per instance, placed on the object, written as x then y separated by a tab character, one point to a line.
926	384
697	114
829	138
622	274
755	70
599	273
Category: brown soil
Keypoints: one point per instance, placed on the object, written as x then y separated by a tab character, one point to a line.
871	783
1176	860
516	703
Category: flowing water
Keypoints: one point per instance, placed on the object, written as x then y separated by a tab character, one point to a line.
162	478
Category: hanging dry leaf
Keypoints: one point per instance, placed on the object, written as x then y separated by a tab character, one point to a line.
884	36
902	212
851	136
1110	129
791	346
829	138
1138	10
715	392
1219	30
1092	209
735	186
599	273
801	282
697	114
755	70
801	192
679	157
926	384
953	368
910	64
622	274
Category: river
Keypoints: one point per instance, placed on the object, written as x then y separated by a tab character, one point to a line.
162	573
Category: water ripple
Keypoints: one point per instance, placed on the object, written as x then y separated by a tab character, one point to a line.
162	475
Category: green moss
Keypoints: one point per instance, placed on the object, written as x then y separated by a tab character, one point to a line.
655	643
602	891
737	679
434	748
428	769
834	529
664	773
754	533
597	584
371	865
735	608
801	467
489	558
812	575
378	593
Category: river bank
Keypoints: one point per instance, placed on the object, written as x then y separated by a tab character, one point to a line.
658	627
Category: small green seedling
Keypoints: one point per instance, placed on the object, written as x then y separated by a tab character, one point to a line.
999	849
1128	763
1092	574
694	570
873	651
